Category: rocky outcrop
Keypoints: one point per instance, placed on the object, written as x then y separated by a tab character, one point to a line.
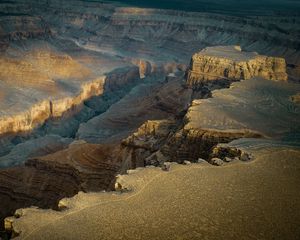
145	144
234	113
157	142
192	144
160	141
230	63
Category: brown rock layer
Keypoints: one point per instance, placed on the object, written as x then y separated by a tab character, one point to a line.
43	181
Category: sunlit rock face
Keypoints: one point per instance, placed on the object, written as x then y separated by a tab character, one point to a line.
230	63
46	84
59	53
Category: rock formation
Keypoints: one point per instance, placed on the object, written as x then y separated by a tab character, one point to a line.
237	112
230	63
43	181
92	167
154	98
38	38
34	107
108	79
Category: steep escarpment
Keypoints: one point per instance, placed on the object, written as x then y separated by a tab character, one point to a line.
161	141
120	35
171	134
112	76
234	113
41	111
155	98
229	63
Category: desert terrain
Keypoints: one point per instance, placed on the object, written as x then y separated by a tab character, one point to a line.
148	120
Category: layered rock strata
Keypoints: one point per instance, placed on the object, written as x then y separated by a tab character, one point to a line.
94	47
230	63
154	99
40	112
43	181
237	112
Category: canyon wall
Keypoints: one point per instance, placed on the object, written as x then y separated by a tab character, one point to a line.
58	58
43	181
40	112
158	121
229	63
82	35
151	33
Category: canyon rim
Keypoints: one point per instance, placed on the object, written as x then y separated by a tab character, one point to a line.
149	119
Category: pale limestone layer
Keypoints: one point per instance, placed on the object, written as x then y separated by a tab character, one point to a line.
215	63
188	202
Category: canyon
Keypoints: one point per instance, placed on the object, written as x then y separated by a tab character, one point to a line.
92	90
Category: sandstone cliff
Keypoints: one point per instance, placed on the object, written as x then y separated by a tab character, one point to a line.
230	63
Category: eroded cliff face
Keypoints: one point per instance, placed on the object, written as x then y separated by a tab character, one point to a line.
98	49
182	132
37	114
230	63
43	181
205	125
87	166
158	142
145	37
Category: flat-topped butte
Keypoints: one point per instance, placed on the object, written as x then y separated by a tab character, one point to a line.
231	63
